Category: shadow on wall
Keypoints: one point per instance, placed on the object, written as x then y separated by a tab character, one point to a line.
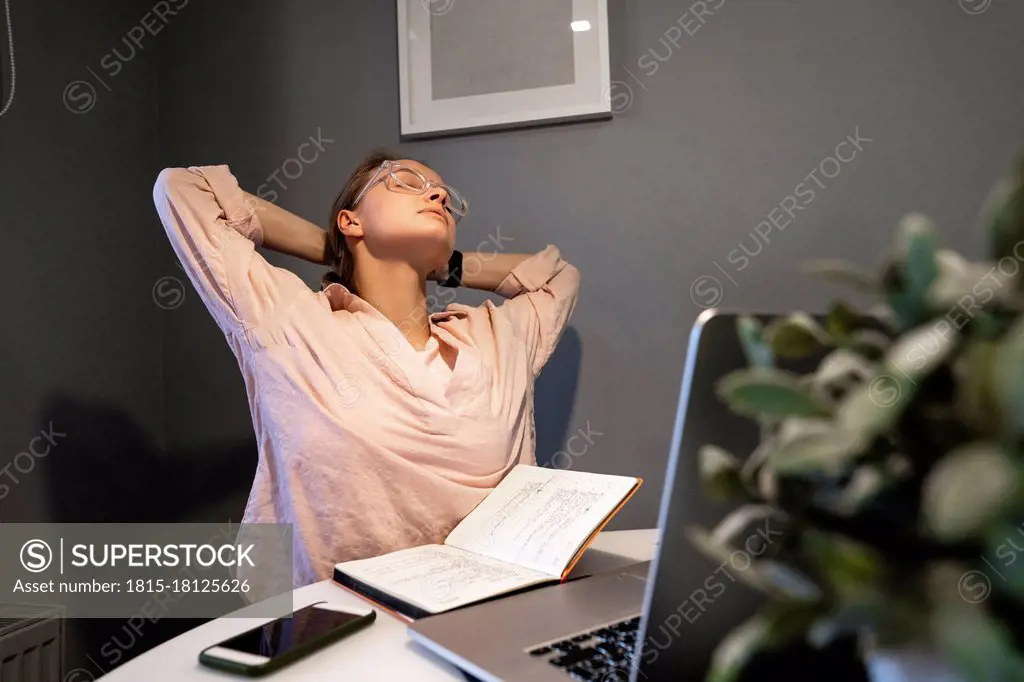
555	396
112	472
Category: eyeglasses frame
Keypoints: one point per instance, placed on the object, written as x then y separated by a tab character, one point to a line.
391	167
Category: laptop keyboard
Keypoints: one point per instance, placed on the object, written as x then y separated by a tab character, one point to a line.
604	654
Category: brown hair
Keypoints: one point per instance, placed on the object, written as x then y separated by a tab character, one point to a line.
343	265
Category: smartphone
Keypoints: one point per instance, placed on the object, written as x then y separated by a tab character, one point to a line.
268	647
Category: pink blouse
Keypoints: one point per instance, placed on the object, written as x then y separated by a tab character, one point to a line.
366	445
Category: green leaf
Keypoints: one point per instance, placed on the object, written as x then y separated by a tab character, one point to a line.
916	263
840	369
770	393
980	647
917	241
796	336
847	619
842	320
864	485
797	586
720	472
982	283
1008	376
777	625
751	335
843	273
989	325
754	472
855	571
767	485
771	578
976	400
870	343
1003	213
758	457
738	650
1004	545
874	408
966	489
830	452
739	520
919	351
795	429
789	621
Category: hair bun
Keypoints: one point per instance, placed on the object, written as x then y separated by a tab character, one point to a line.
330	277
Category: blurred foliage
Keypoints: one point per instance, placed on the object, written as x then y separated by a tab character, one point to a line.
897	468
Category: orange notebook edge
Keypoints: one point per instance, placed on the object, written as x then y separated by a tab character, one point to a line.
590	539
387	609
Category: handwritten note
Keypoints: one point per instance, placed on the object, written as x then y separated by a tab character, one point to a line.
438	577
540	517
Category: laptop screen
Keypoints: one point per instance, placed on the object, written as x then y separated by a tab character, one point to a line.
693	601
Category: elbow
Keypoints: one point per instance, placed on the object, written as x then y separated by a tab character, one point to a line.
166	182
563	270
571	272
569	279
176	186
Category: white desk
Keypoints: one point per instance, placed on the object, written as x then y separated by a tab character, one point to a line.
382	651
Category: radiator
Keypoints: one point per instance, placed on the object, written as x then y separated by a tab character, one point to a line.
31	643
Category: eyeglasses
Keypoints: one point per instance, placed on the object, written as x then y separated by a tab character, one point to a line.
409	179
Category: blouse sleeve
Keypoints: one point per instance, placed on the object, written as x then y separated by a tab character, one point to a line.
541	292
214	232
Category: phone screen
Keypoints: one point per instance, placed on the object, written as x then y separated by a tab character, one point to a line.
284	634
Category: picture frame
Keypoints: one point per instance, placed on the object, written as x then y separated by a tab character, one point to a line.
470	66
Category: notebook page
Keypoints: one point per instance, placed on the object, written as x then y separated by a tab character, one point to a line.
539	517
437	577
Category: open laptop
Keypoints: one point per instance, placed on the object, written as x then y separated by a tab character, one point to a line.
653	621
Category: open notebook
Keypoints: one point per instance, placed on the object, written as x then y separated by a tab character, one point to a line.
528	532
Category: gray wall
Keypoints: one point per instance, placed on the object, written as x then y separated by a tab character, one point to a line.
716	136
99	340
80	346
80	335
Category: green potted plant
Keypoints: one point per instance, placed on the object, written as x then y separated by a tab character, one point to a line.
896	469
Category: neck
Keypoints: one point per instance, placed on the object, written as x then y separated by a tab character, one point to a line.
399	293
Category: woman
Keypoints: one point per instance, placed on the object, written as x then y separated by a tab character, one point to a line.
379	425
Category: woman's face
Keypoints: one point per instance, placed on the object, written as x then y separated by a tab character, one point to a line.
399	223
